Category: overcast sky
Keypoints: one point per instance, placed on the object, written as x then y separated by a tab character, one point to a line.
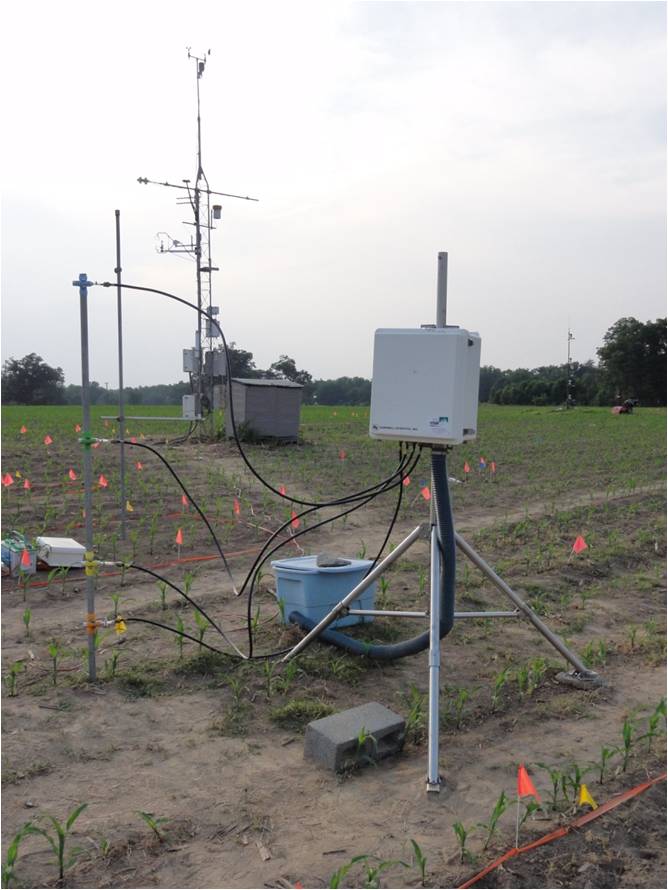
526	139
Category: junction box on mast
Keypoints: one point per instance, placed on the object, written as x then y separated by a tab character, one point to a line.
425	385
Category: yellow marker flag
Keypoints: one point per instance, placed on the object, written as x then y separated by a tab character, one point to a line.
120	626
129	507
586	798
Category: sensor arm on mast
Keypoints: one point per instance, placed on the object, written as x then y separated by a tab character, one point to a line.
207	191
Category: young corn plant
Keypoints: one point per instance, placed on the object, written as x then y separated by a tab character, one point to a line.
9	865
202	627
654	727
522	678
27	615
463	834
154	822
419	861
555	780
340	873
162	587
500	681
58	839
601	764
492	823
55	651
417	718
10	677
627	742
367	743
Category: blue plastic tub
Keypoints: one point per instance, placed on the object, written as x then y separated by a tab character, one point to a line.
302	586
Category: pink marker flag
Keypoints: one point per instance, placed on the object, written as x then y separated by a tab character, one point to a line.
467	468
48	440
133	440
179	537
27	485
342	454
493	467
7	480
281	490
77	428
25	558
102	481
139	465
24	429
579	544
406	481
295	520
237	507
72	475
426	494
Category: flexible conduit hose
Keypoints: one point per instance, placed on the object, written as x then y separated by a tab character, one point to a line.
446	539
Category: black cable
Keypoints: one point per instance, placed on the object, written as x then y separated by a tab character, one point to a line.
190	498
304	531
392	521
259	559
188	599
245	459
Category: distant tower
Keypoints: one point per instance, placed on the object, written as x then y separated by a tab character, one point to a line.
570	400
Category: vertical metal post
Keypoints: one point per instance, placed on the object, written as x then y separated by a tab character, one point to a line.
433	777
121	395
83	284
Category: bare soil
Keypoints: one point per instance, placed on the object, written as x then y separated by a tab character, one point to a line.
195	740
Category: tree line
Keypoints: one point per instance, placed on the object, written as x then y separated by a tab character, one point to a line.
632	364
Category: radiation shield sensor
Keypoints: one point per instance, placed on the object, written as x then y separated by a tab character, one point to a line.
425	385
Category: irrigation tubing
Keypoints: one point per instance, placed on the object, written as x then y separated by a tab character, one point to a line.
565	829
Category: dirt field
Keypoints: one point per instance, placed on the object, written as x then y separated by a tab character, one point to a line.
214	746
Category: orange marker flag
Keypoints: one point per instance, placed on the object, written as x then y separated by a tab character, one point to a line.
139	465
426	494
493	466
102	481
48	440
184	501
25	559
579	544
27	485
236	507
77	428
96	444
24	429
525	787
72	475
281	490
467	468
295	520
406	481
179	537
342	454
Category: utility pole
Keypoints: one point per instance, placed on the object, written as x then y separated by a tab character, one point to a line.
570	401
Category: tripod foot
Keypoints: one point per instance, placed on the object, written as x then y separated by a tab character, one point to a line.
580	679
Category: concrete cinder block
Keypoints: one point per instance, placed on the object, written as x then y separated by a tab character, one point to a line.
333	742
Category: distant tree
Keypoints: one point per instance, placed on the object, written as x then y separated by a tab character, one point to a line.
489	376
286	369
241	362
633	357
30	381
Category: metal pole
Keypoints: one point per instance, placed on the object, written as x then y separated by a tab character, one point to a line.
540	626
121	396
355	592
82	283
433	777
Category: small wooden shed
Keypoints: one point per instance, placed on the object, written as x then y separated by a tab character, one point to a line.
270	408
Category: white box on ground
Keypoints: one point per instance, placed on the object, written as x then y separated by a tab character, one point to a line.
425	385
61	552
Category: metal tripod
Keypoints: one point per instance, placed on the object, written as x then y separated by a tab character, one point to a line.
580	676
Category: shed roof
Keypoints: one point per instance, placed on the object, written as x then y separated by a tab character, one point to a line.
266	381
